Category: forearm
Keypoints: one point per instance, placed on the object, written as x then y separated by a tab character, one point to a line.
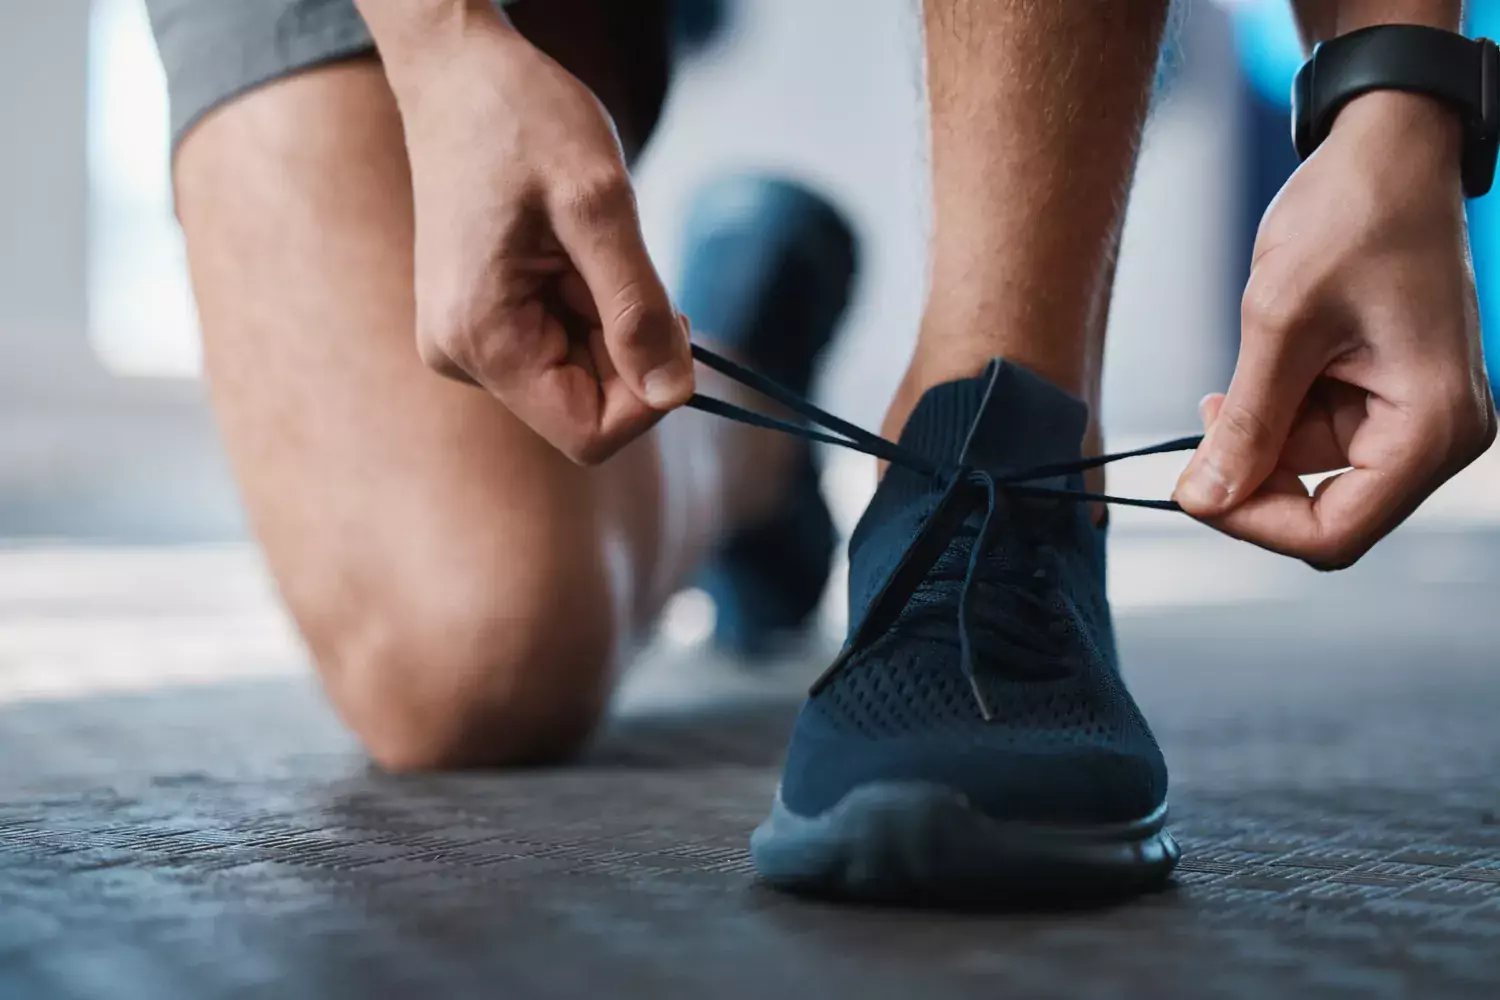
1320	20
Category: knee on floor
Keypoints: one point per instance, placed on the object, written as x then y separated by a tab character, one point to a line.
481	676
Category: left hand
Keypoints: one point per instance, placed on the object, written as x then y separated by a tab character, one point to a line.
1360	345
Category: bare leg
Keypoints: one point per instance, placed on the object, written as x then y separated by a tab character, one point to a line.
464	589
1037	109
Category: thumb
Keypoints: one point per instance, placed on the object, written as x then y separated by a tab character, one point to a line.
1246	428
646	342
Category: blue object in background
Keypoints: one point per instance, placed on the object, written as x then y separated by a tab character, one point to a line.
1270	51
1270	55
1484	223
699	24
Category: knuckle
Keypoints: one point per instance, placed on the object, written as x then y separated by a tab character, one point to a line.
1332	555
441	320
1476	428
637	321
1470	440
1336	564
583	446
578	443
440	344
599	197
591	452
628	318
1462	418
468	339
433	356
1268	305
1491	428
1243	428
601	444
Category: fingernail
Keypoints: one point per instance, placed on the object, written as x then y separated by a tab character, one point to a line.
665	387
1203	485
1203	408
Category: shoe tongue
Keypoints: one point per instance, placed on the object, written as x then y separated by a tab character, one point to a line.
1007	419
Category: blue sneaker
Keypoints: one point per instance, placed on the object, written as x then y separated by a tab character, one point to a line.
769	269
974	741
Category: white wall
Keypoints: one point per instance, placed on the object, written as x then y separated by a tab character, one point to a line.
43	187
82	453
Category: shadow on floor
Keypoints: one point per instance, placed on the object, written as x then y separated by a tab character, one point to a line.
744	732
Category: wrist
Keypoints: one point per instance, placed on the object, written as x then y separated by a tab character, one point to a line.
1404	126
417	38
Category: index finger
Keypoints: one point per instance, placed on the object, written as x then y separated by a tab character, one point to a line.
1348	512
601	233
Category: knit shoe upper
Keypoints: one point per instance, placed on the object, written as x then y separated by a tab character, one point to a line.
981	655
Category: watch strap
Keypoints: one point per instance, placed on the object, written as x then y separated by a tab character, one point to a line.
1459	71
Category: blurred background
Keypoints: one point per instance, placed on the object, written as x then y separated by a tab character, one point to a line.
104	431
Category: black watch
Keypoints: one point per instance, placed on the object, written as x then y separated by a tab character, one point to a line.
1461	72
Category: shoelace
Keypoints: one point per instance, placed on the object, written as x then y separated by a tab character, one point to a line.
1022	630
969	490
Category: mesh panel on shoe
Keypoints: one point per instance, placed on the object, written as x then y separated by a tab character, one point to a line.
911	677
898	688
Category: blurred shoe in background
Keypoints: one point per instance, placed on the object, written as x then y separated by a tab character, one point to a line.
769	266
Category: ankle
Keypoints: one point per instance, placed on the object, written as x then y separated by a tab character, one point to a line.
934	364
1094	480
946	357
931	367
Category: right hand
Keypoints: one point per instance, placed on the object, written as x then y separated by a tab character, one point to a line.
532	277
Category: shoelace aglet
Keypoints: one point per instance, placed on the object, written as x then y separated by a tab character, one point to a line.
980	700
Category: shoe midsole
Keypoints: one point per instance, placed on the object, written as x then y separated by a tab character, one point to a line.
867	818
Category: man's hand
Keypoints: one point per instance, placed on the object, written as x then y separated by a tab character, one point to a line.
1359	348
532	278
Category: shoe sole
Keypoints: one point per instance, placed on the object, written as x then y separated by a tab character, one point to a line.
915	842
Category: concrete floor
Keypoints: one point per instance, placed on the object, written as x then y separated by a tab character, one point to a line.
181	816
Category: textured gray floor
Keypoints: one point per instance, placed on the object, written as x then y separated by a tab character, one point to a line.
1335	789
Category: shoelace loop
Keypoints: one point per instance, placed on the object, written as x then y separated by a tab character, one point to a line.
969	489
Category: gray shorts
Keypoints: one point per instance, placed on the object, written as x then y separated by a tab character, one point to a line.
214	50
